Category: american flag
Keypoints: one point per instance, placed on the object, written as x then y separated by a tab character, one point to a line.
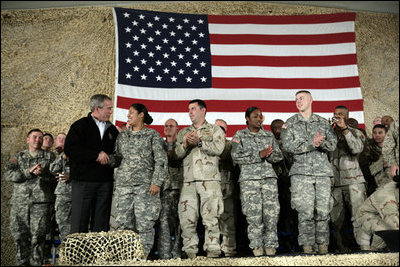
164	60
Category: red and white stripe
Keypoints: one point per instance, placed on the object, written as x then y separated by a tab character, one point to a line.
263	61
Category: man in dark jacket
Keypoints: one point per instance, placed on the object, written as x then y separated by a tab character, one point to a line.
89	142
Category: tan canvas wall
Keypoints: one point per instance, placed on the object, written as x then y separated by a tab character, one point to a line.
53	60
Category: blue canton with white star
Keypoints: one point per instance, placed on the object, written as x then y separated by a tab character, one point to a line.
164	50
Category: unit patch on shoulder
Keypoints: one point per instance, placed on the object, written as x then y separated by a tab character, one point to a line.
236	140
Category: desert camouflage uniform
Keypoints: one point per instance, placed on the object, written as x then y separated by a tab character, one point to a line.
227	218
349	183
63	196
379	212
143	161
390	149
31	203
380	171
201	187
258	185
169	239
310	175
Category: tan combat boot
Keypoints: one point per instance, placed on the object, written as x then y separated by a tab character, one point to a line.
258	252
270	251
308	249
322	249
365	247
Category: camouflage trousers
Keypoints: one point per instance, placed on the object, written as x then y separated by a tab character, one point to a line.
137	210
63	214
205	196
29	225
227	220
260	205
352	196
169	239
311	197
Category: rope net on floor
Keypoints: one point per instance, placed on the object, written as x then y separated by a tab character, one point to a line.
101	247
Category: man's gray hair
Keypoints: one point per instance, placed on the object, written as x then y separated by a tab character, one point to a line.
98	101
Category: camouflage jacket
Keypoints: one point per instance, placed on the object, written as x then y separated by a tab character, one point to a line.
390	148
297	138
201	163
346	169
30	188
141	158
384	204
226	163
61	165
246	147
282	167
174	179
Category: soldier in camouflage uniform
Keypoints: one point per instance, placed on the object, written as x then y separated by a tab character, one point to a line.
378	168
390	149
200	146
255	149
169	239
60	168
142	167
309	138
32	199
287	223
379	212
349	184
227	219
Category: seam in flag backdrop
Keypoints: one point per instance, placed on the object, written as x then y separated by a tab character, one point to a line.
164	60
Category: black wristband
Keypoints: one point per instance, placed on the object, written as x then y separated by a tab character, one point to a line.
200	143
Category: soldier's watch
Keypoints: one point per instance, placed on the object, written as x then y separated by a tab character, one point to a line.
200	143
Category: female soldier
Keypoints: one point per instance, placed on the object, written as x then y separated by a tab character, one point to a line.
254	149
143	163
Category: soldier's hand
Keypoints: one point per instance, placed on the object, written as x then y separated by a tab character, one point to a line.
266	152
154	189
36	170
394	170
318	139
341	123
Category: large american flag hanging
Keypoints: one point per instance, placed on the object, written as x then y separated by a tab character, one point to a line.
164	60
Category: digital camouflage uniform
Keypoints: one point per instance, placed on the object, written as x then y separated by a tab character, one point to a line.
310	175
379	212
63	196
143	161
169	239
287	223
349	184
258	185
201	188
227	218
31	202
390	149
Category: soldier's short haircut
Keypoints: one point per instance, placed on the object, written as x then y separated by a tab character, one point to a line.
343	107
303	91
34	130
275	122
98	101
199	102
48	134
380	126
